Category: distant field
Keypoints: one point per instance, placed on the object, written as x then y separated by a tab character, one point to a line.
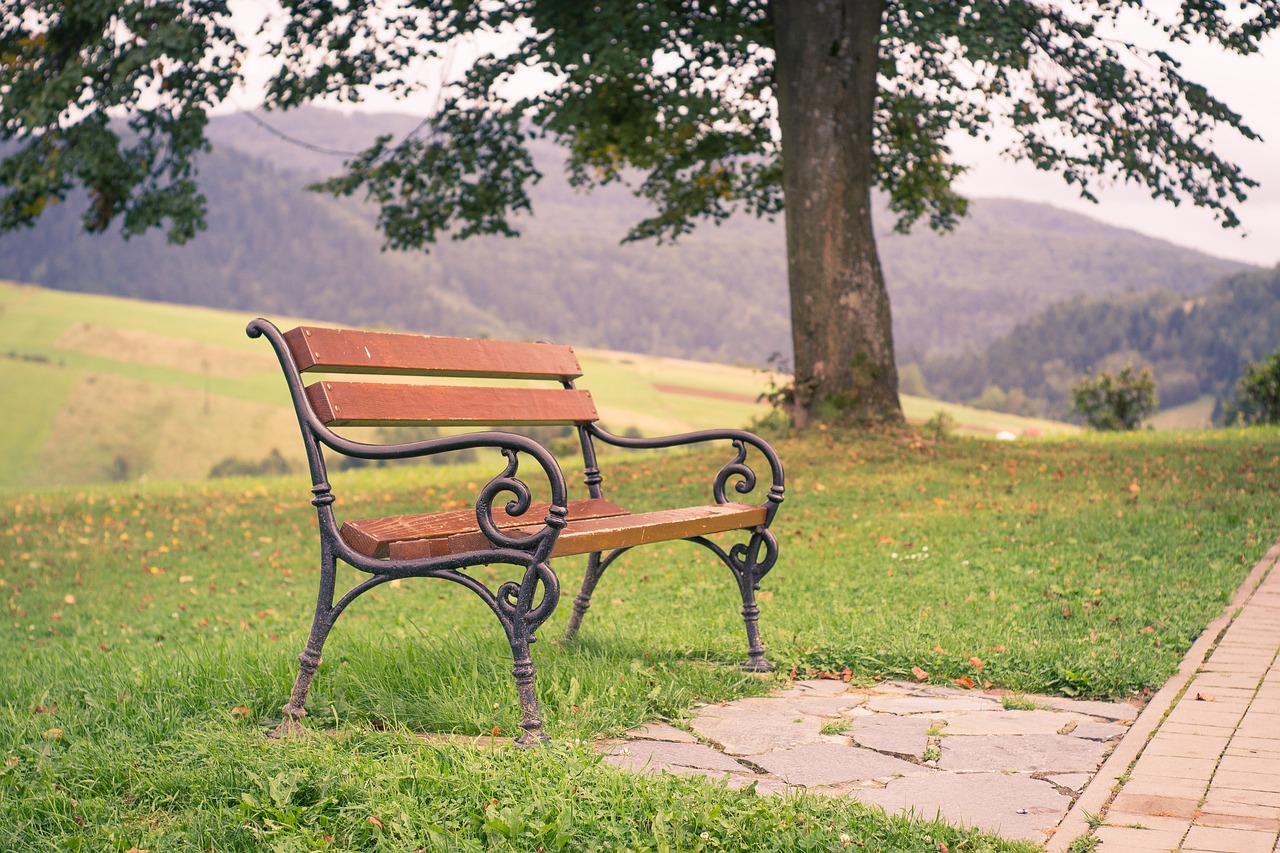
106	389
1195	415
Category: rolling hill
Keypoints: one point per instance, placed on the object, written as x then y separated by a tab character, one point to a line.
719	294
1197	348
102	388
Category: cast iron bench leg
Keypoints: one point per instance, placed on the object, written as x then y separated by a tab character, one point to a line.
309	660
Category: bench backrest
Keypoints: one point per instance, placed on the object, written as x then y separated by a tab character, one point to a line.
342	403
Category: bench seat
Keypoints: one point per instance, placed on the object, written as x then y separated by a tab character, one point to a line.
593	525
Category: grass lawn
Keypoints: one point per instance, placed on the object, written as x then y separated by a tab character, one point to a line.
151	634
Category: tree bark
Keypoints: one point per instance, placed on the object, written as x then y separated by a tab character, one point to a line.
827	54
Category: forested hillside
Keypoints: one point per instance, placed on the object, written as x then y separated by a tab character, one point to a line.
1195	346
719	294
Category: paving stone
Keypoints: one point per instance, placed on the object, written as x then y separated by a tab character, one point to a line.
1138	820
1187	746
817	687
834	764
1106	710
1070	781
651	756
1144	782
888	733
1009	722
1148	805
1251	822
1014	805
1229	840
1090	730
1246	781
660	731
1261	765
1201	718
826	706
1199	729
1127	837
1242	796
1025	753
1255	724
1215	803
751	731
928	704
1177	768
1254	746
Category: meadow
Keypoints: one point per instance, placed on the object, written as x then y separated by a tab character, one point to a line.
115	389
151	633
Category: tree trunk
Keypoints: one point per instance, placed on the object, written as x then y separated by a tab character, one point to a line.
827	52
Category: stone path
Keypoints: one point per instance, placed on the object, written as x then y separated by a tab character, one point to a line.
899	745
1197	770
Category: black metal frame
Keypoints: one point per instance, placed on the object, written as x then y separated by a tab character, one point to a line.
519	607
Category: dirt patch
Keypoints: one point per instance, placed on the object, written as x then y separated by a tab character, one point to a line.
705	393
136	347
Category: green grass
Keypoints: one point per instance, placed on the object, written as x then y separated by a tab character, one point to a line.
151	634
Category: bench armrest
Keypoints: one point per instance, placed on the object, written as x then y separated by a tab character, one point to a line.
734	468
510	444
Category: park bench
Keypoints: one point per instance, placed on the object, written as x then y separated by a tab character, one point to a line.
521	533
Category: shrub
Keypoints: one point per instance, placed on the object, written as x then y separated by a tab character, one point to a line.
1115	402
940	425
1257	393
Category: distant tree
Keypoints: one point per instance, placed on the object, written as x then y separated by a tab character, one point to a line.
1120	401
1257	393
699	103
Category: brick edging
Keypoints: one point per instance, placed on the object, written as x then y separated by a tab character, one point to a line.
1098	793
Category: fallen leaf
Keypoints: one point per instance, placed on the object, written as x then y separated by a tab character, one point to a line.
963	681
919	673
69	599
240	712
1066	612
1205	697
1147	630
976	663
376	821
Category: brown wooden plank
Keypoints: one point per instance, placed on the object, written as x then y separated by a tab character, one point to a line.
605	534
373	404
355	351
376	537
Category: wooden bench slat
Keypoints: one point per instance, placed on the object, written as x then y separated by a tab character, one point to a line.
374	404
605	534
354	351
375	537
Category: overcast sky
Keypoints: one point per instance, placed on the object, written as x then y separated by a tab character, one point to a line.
1250	85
